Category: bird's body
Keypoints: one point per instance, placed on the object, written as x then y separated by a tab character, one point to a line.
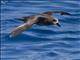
40	19
45	18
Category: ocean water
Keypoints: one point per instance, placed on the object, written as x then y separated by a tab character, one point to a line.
40	42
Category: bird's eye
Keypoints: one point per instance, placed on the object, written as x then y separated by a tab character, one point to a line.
54	20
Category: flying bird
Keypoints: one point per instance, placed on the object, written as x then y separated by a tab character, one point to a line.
44	18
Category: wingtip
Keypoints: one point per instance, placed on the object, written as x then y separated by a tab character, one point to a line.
18	18
65	13
68	14
10	36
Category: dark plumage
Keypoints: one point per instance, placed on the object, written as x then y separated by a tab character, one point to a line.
39	19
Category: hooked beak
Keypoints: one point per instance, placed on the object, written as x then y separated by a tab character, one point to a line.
58	24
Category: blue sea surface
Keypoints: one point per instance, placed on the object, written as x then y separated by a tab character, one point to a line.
40	42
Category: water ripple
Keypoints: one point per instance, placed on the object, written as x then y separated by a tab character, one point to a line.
40	42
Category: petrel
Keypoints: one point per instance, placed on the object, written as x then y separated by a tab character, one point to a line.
44	18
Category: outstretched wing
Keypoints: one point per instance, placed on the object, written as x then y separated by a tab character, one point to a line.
22	27
60	12
24	19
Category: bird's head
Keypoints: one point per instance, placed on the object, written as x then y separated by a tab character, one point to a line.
56	22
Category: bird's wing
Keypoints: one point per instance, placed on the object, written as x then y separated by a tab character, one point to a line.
60	12
24	19
22	27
